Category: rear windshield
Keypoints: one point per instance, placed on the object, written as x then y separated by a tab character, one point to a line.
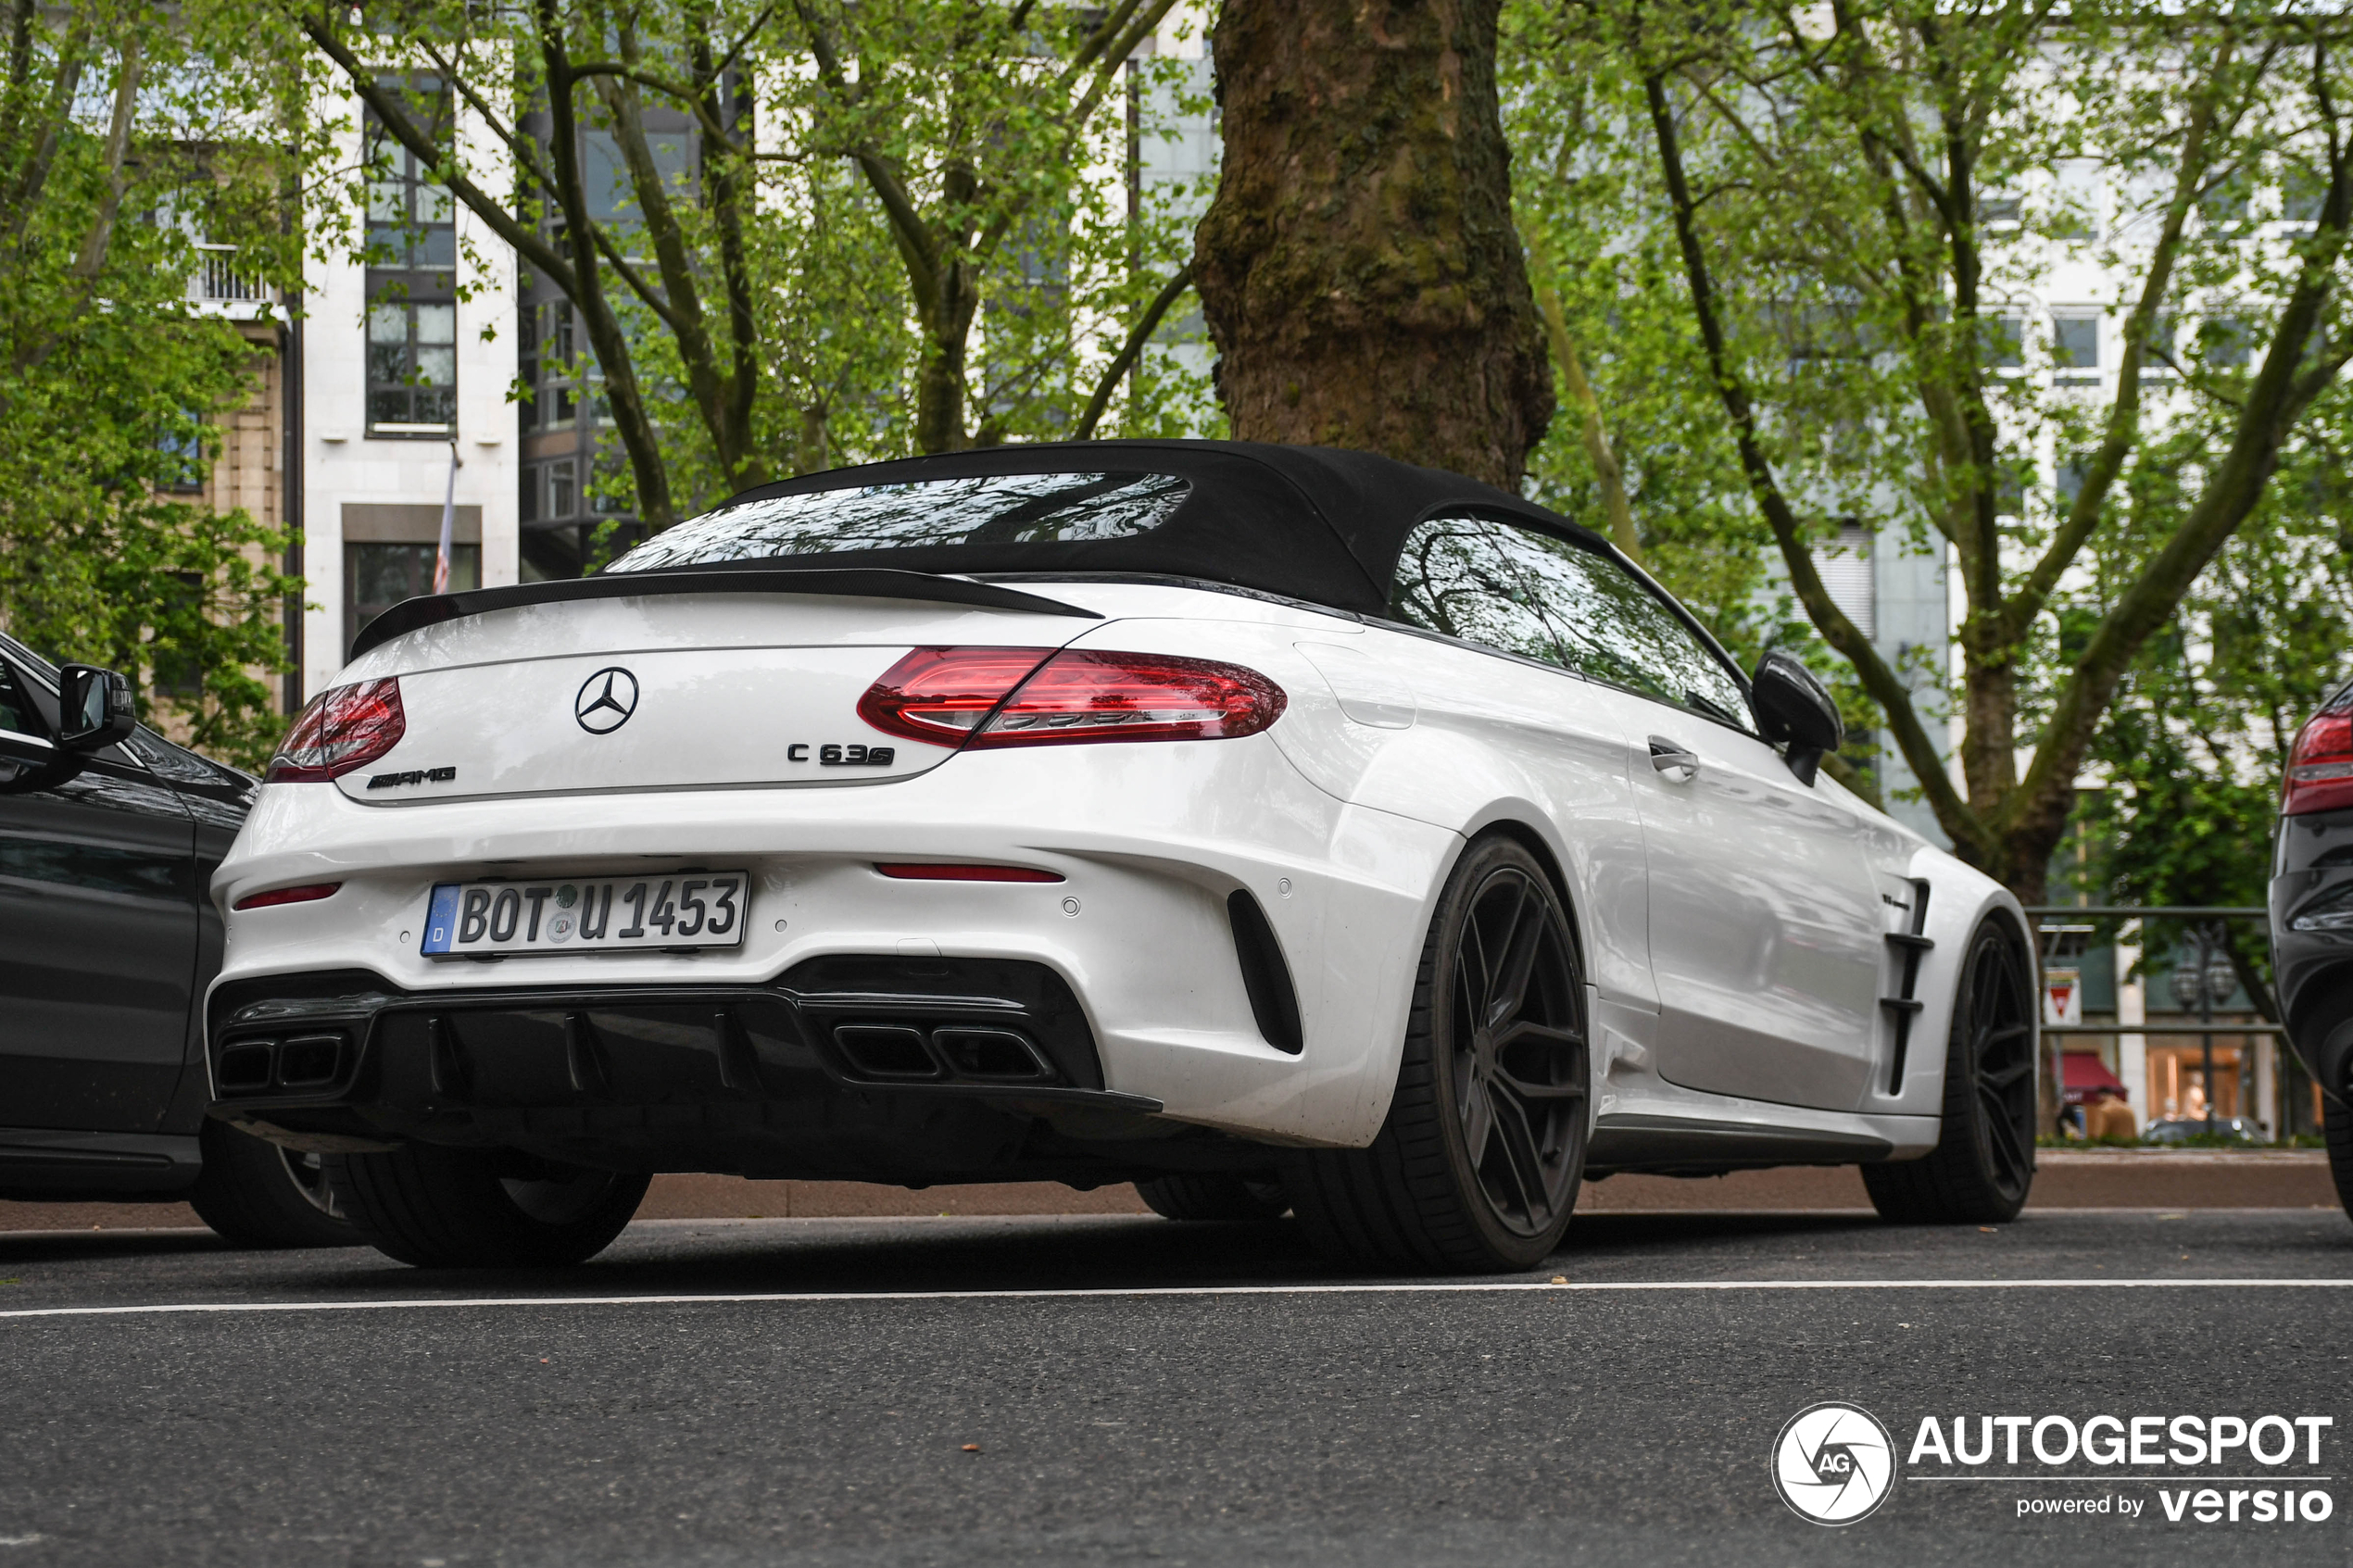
999	509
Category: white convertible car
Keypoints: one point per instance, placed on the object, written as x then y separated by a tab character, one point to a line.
1273	827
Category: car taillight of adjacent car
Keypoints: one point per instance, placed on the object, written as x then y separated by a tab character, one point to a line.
2320	769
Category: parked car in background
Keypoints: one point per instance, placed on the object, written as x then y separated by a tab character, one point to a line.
2312	918
2181	1129
108	838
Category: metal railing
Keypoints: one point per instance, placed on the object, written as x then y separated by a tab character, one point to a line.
218	278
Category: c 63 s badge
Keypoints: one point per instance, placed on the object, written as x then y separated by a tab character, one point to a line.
413	776
843	756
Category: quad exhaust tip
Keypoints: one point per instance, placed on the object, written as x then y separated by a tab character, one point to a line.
916	1053
306	1061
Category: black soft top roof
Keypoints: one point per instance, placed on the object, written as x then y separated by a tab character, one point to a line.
1316	523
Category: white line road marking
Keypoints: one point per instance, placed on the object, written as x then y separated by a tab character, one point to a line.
1414	1287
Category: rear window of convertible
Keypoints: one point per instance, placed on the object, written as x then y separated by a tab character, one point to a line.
998	510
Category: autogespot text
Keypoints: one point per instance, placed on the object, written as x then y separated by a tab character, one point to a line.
2274	1463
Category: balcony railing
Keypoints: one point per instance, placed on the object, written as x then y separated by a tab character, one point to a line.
217	277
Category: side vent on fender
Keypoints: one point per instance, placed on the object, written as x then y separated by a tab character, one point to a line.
1274	1003
1903	1007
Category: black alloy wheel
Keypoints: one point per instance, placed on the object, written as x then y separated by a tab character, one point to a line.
308	1172
1479	1165
1215	1199
255	1194
482	1209
1983	1163
2336	1132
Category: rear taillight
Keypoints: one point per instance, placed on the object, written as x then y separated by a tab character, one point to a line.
943	695
2320	771
952	697
1083	695
344	728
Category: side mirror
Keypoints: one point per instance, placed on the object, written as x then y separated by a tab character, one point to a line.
1792	705
93	708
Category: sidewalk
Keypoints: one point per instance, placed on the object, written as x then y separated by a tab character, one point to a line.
2067	1178
2064	1178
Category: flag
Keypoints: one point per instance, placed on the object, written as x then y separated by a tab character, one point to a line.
448	522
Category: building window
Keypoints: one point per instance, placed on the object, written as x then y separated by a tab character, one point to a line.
378	576
412	369
2223	204
2075	349
1844	565
551	397
411	221
412	255
183	469
2009	490
551	491
2225	343
2004	337
2071	475
2158	355
2302	194
2076	212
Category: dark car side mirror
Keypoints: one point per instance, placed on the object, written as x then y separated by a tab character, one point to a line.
93	708
1792	705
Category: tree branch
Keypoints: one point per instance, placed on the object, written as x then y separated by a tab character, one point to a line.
2124	414
2230	497
1883	684
527	241
919	249
100	238
1133	349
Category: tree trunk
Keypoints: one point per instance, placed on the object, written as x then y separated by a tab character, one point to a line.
947	323
1358	267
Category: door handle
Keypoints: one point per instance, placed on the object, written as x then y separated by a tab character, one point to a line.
1678	764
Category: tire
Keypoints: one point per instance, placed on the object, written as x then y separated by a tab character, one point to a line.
1478	1165
1229	1200
2337	1130
1983	1165
254	1194
468	1209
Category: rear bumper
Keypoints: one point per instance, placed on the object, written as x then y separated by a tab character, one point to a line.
853	1068
1152	844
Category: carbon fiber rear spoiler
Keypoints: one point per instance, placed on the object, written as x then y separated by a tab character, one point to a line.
865	583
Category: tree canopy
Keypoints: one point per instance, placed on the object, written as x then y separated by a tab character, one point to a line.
1886	256
129	140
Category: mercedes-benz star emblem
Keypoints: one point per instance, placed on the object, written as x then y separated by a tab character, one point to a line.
606	700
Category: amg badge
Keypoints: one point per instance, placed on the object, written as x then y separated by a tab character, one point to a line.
413	776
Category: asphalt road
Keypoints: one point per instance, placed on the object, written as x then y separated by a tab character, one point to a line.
1144	1393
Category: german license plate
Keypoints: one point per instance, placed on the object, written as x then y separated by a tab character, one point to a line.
595	914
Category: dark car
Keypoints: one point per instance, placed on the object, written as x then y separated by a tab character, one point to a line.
108	838
2183	1129
2312	918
